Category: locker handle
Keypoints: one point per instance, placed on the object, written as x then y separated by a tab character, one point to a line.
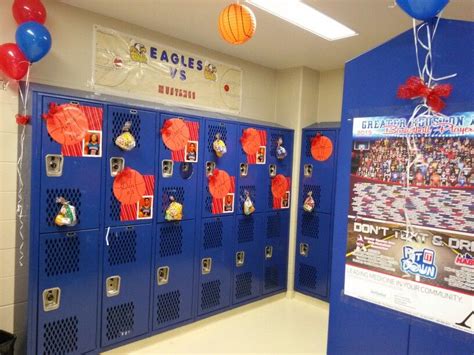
133	112
117	164
162	275
244	169
54	165
308	170
112	285
272	170
268	252
51	299
240	258
304	249
70	234
74	103
206	266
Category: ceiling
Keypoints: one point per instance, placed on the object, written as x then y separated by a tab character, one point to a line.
276	44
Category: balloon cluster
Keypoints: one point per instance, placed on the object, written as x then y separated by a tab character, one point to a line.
33	40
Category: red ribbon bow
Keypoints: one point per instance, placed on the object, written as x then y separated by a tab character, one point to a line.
415	87
22	119
53	109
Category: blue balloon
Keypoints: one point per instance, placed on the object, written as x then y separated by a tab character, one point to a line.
34	40
422	9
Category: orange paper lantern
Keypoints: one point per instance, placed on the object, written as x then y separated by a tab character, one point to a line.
129	186
66	124
175	134
237	24
279	186
250	141
219	183
321	148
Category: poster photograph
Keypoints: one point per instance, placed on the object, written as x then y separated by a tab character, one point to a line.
410	243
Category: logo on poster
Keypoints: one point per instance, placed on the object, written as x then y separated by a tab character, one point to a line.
464	260
418	262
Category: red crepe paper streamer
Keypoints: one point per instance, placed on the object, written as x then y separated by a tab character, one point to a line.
415	87
22	119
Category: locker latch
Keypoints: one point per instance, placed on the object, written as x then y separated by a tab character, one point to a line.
210	166
244	169
206	266
54	165
167	168
308	170
304	249
117	164
240	258
51	299
162	275
272	169
112	285
268	252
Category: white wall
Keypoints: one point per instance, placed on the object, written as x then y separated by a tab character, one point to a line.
330	95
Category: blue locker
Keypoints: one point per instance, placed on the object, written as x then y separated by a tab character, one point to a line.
248	258
215	264
177	177
313	253
72	184
140	158
275	251
126	283
253	177
173	273
228	133
67	292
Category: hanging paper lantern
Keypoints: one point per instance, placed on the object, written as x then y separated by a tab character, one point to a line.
237	24
321	148
219	183
279	186
175	134
250	141
129	186
66	124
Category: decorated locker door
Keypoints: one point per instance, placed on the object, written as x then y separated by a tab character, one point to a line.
173	273
220	152
67	292
179	154
126	283
130	144
275	251
70	172
247	258
215	264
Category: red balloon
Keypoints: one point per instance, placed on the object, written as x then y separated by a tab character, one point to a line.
29	10
12	61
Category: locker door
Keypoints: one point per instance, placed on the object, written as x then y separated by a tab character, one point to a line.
140	158
173	279
178	177
67	294
283	166
247	258
275	251
126	283
312	253
228	162
79	180
321	182
215	264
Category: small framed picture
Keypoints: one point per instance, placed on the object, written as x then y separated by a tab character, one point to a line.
262	155
285	201
92	144
145	207
228	203
191	152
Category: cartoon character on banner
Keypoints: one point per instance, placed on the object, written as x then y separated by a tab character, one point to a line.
219	146
309	204
280	150
249	208
66	215
126	141
174	212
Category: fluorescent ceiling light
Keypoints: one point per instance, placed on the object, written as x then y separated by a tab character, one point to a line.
306	17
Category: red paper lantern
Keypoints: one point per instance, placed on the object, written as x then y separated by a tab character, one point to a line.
321	148
66	124
250	141
219	183
279	186
129	186
175	134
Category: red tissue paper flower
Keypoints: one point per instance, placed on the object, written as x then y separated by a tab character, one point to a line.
22	119
415	87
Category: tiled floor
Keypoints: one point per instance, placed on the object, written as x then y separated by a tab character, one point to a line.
279	325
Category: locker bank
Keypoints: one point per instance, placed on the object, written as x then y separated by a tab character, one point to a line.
209	177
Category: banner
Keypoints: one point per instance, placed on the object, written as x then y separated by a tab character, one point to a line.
410	247
129	66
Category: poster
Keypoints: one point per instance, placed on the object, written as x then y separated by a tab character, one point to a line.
129	66
410	248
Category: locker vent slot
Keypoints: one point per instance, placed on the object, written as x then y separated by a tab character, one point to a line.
114	210
168	307
208	200
307	276
166	192
307	150
252	191
213	234
211	136
62	255
52	208
243	285
273	143
210	294
245	230
310	225
120	320
316	189
119	119
122	247
271	277
274	226
61	336
171	240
